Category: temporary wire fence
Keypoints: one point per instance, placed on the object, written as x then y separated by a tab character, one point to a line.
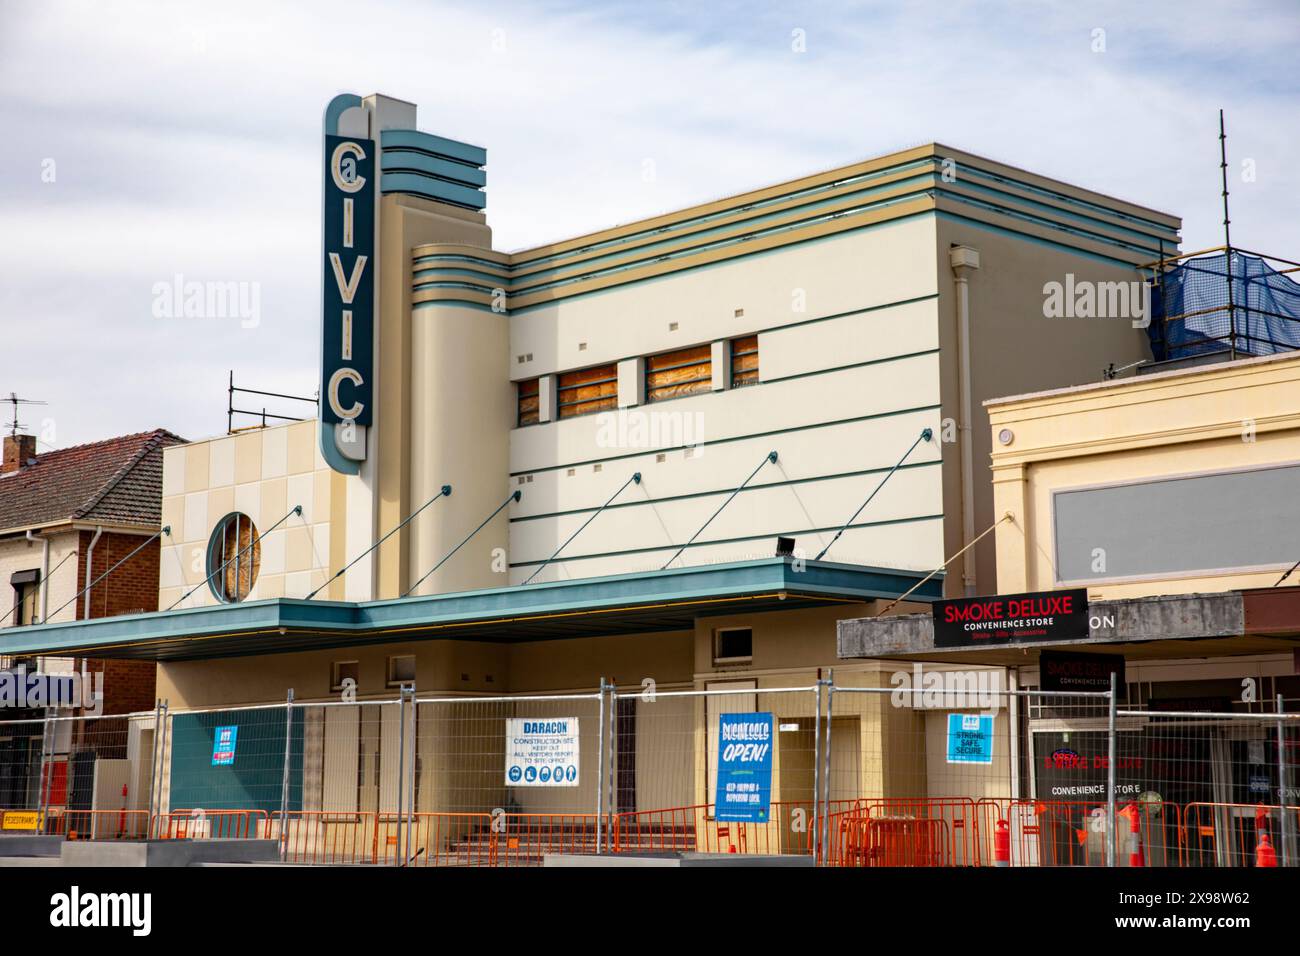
932	768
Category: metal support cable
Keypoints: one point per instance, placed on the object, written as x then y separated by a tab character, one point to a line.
1287	575
252	540
926	435
166	530
514	496
636	477
769	458
444	492
902	597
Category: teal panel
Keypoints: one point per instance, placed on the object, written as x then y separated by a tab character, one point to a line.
254	779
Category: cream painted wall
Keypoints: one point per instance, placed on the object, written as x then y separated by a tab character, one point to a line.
442	667
462	407
1172	423
1014	349
872	267
261	473
19	554
839	395
405	383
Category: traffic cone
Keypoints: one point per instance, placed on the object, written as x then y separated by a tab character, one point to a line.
1135	856
1265	855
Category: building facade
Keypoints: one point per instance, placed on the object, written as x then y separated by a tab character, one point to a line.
681	450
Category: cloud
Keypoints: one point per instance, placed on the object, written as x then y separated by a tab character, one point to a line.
186	140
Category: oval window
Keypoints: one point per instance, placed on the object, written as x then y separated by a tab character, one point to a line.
234	557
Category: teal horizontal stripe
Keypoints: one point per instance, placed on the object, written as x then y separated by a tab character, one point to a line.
726	491
769	536
849	365
725	441
404	160
1062	197
418	184
1169	236
1065	247
1151	250
437	145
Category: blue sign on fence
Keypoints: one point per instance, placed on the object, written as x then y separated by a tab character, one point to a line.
970	738
744	767
223	746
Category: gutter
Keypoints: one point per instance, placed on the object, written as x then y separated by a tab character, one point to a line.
90	560
965	260
45	572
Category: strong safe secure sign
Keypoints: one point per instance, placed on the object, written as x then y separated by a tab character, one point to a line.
347	359
744	767
542	752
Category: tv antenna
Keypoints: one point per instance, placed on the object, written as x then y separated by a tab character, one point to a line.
15	401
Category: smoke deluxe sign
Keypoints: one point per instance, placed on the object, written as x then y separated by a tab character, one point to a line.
347	356
1008	618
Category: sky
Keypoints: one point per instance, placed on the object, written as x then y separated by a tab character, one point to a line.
150	141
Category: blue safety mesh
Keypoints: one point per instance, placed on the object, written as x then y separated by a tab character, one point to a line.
1190	313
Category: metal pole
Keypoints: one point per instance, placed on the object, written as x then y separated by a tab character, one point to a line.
162	752
401	766
1227	238
153	757
41	774
1284	849
816	820
284	782
410	807
1110	772
613	766
826	777
600	764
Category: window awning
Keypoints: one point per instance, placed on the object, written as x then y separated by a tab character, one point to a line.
654	601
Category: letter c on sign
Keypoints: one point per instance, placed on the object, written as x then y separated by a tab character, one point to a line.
336	167
353	376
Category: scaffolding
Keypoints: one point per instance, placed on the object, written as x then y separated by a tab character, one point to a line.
1225	300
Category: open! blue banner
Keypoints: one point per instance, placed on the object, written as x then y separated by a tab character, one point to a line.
744	767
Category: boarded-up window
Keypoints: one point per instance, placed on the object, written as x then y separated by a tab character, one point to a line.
680	373
587	390
744	361
528	402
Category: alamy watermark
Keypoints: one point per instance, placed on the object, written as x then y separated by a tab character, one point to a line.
639	428
191	299
1087	299
924	689
21	690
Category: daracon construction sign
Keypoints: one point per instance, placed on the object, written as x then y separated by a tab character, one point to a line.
347	355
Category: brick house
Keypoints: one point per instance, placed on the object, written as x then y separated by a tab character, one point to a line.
68	516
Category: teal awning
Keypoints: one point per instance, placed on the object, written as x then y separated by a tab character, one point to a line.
652	601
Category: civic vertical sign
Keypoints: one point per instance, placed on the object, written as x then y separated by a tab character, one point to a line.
347	356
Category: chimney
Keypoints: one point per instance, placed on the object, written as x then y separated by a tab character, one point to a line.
19	450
